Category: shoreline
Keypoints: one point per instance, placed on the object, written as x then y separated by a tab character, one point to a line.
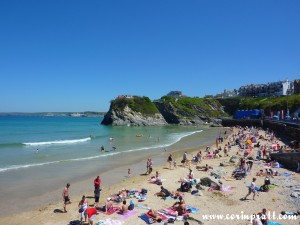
84	184
138	181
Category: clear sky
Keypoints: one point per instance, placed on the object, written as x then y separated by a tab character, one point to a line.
69	55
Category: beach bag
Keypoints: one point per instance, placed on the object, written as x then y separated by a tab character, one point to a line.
131	205
81	210
159	182
171	220
144	191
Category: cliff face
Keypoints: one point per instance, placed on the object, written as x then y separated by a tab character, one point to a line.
140	111
133	112
189	111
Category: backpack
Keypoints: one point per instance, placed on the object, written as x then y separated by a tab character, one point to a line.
131	205
144	191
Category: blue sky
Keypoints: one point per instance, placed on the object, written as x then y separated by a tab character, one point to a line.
78	55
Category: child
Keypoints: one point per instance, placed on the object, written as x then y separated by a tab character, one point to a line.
129	173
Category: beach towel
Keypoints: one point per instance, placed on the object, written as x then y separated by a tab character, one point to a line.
141	198
286	174
170	211
227	189
113	210
256	188
109	222
143	207
192	209
228	178
146	219
128	214
272	186
274	223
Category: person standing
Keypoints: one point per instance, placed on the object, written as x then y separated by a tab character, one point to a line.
83	204
150	166
170	160
66	197
129	172
97	183
251	189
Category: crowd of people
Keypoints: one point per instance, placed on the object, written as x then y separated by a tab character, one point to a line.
244	138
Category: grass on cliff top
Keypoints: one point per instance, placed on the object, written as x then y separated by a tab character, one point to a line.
266	103
137	104
188	106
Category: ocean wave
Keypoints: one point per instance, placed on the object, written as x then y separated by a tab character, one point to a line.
74	141
176	137
16	167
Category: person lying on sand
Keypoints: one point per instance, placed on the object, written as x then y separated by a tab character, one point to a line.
204	168
154	215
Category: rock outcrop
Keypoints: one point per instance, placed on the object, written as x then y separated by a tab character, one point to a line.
140	111
125	116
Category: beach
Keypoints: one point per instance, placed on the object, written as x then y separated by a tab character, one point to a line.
209	203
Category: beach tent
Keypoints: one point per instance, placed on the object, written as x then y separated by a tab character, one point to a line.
249	142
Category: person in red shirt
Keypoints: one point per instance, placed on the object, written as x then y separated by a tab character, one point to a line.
91	213
97	182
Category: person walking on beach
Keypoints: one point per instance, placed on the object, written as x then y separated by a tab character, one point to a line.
129	172
170	160
66	197
251	189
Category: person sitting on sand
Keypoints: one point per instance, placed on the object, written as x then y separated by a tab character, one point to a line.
154	215
191	175
123	194
256	219
180	207
124	208
181	201
264	217
260	173
109	204
163	192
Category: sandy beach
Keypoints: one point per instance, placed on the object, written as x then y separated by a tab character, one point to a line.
208	202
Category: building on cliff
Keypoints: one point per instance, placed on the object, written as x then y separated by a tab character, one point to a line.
279	88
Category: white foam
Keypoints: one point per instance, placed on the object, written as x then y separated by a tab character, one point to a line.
16	167
58	142
177	138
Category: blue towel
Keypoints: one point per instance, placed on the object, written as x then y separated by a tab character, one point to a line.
256	188
145	218
274	223
193	209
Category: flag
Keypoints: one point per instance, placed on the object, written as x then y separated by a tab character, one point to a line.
217	142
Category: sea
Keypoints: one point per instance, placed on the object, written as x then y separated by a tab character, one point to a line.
40	154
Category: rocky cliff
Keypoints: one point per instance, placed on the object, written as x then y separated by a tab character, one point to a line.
135	111
189	111
140	111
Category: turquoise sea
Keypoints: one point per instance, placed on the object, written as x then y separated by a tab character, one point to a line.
38	155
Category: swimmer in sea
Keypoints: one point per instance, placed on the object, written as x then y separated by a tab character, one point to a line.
102	148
